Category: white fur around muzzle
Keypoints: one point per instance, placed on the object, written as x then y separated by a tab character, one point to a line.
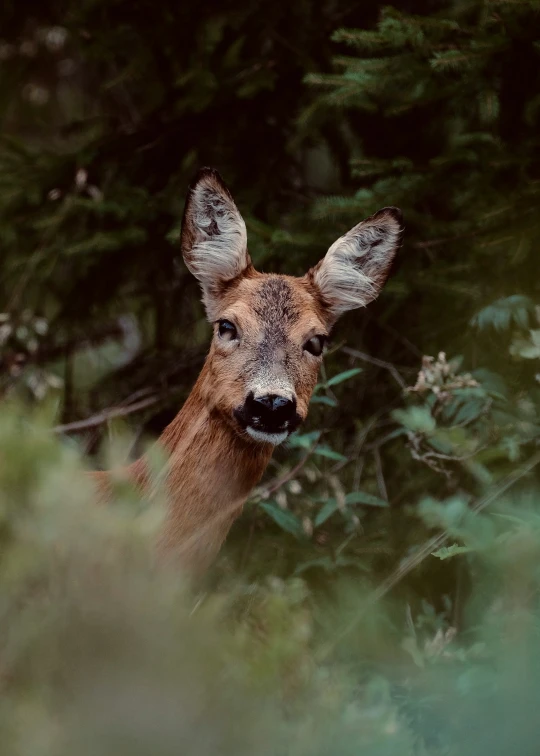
269	438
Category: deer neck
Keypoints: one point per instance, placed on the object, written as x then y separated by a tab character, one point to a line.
209	475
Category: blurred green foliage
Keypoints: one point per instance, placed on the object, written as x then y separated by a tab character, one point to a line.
380	592
105	651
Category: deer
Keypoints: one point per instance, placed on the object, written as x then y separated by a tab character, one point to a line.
269	335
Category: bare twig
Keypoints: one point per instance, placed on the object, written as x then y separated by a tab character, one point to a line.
103	417
277	484
446	240
448	457
427	548
399	337
370	424
358	470
380	475
247	549
376	361
413	561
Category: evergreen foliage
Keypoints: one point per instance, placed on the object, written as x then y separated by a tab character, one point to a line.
441	115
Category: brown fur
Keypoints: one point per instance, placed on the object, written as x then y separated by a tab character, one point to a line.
213	463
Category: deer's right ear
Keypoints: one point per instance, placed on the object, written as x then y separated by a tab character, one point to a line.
214	239
356	266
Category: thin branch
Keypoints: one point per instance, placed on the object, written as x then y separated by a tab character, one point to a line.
358	470
413	561
277	484
428	243
103	417
398	336
380	475
448	457
380	363
381	441
247	549
410	563
370	424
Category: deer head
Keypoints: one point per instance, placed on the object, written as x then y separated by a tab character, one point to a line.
270	330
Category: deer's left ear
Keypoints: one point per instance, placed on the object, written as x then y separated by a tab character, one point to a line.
214	239
356	266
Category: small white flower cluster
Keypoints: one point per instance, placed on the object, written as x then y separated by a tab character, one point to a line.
80	186
440	377
20	339
49	39
26	329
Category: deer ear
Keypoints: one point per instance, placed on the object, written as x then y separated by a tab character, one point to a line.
356	266
214	239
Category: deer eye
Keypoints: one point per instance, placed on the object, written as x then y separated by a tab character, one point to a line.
227	331
315	345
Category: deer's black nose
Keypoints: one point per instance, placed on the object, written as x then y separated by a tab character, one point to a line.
271	413
273	402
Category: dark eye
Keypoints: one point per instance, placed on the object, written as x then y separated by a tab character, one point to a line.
315	345
227	331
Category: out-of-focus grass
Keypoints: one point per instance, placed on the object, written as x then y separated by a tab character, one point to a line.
104	651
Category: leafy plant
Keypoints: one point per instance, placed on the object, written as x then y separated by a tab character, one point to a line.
103	650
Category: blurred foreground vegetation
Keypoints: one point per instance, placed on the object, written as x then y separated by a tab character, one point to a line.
381	591
103	651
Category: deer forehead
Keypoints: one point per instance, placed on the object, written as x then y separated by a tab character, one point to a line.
274	306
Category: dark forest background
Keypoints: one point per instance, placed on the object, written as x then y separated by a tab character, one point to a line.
316	114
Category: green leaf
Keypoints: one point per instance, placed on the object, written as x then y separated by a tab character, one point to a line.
529	349
327	400
284	518
330	565
491	382
340	377
410	645
416	419
325	563
393	434
325	512
361	497
325	451
469	411
503	313
304	440
446	552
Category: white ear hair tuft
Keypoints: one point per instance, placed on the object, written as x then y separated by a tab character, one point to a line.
214	238
356	266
